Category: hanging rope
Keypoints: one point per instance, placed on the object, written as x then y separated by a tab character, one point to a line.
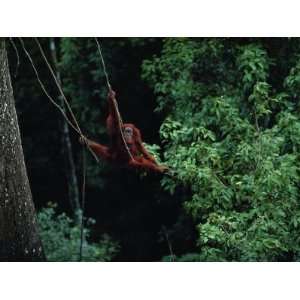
44	89
120	121
76	127
82	202
17	54
107	79
64	97
172	256
103	64
58	85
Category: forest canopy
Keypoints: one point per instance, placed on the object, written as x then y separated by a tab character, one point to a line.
222	113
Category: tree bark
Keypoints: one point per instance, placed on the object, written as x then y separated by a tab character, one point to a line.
70	170
19	238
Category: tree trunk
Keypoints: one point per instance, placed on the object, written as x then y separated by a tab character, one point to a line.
19	238
70	170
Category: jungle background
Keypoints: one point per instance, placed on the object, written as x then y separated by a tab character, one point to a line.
223	113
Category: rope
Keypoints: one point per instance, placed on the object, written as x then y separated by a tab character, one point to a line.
77	128
120	121
172	256
17	54
106	77
44	89
64	97
58	85
82	203
103	64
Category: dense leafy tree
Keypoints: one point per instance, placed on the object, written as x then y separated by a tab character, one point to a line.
233	137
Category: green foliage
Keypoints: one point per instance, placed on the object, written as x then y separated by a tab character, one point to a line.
61	239
253	63
230	130
154	150
233	139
